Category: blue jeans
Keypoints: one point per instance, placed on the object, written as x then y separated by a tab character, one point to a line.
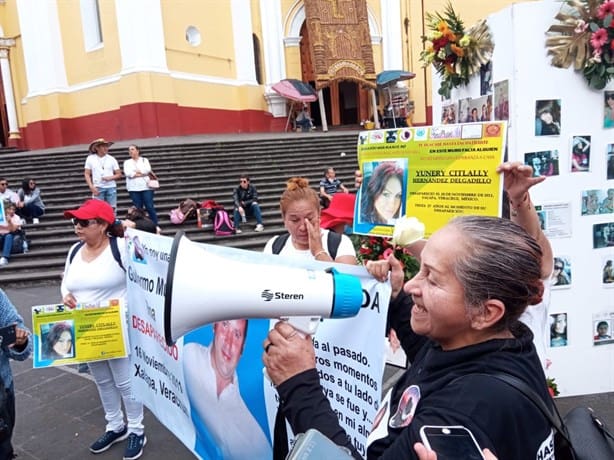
144	199
7	245
30	211
252	210
107	194
6	448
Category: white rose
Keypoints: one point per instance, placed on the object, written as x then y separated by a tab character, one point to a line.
407	230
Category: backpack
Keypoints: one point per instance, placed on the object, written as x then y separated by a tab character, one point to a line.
18	239
186	209
114	250
333	241
222	225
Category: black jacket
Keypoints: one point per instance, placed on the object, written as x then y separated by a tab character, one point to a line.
244	197
500	417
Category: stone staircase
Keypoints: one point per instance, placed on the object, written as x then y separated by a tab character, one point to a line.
201	169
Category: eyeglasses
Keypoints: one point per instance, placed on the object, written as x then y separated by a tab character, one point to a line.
83	222
244	181
558	267
4	183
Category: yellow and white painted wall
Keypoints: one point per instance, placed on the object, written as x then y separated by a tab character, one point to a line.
74	70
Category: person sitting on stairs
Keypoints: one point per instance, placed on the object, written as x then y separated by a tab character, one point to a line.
245	199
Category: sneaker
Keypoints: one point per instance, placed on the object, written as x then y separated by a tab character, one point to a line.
36	221
238	230
134	448
108	439
4	261
259	228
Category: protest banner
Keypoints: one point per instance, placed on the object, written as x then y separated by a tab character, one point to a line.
176	382
86	333
432	173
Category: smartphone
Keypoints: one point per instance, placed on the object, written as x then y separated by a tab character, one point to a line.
313	444
451	442
8	335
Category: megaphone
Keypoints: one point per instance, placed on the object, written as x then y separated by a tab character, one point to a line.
203	287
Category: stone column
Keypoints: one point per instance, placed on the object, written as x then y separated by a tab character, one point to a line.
7	87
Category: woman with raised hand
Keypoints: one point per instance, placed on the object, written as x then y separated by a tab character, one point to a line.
477	276
300	210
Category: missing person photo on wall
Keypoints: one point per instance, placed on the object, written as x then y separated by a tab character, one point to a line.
602	328
608	111
448	113
544	163
603	235
548	117
502	104
580	153
558	330
486	78
561	273
610	162
607	270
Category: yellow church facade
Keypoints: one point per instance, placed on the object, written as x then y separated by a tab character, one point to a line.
75	70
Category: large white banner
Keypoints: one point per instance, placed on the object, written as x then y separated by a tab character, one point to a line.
183	384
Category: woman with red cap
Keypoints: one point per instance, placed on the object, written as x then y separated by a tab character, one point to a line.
92	275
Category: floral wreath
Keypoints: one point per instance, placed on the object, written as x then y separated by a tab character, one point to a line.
456	53
584	37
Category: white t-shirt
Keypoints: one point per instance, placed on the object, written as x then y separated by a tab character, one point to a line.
102	167
93	282
233	427
131	167
536	318
346	248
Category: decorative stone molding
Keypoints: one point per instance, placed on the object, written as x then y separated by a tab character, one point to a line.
276	103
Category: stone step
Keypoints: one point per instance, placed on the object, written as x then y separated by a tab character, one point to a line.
197	170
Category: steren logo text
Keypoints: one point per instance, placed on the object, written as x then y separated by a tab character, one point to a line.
268	296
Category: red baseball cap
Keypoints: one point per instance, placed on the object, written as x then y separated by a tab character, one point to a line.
93	209
340	211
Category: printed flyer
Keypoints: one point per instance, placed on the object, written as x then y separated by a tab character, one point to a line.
432	173
86	333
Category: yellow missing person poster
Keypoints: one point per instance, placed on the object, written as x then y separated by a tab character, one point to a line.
432	173
86	333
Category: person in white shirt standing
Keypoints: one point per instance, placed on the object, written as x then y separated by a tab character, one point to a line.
101	172
136	170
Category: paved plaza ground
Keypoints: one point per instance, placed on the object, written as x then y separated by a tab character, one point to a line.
59	413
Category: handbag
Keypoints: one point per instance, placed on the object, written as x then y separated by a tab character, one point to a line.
152	180
580	435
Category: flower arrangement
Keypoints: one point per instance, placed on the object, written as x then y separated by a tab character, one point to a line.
456	53
584	37
552	387
377	248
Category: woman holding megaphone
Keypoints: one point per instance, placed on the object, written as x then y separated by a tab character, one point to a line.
463	329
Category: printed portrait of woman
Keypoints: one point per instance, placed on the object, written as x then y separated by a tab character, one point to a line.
548	117
558	330
58	343
608	114
381	197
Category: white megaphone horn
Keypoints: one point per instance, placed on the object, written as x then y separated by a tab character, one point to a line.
203	287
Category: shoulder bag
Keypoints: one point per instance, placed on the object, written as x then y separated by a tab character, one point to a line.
152	181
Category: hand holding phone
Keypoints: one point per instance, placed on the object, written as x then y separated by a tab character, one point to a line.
451	442
8	335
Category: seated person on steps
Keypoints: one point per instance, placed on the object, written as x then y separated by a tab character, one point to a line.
8	230
303	120
245	199
329	185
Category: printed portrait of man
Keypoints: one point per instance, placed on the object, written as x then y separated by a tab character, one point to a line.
225	426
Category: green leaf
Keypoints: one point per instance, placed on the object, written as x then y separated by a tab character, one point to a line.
593	26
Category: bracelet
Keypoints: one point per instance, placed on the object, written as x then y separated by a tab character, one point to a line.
514	208
319	253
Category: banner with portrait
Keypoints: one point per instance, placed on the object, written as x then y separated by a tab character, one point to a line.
432	173
179	383
86	333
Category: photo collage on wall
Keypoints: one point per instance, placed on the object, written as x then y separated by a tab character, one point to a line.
581	155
